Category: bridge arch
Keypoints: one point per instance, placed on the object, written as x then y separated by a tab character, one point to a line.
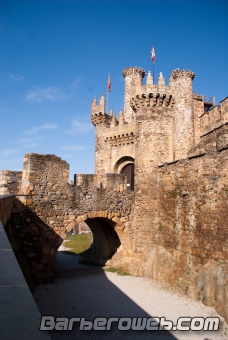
112	241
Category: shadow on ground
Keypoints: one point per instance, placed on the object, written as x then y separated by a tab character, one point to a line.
85	291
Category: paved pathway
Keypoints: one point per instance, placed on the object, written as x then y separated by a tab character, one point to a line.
82	291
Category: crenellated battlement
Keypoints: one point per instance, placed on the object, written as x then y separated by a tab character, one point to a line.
136	71
215	117
99	118
98	115
177	73
115	138
152	95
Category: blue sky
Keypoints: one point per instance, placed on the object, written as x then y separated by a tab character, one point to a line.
55	57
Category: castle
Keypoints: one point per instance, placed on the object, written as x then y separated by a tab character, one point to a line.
158	202
160	124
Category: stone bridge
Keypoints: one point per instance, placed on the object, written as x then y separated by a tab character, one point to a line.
49	207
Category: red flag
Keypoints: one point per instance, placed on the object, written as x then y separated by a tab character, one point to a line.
109	83
152	55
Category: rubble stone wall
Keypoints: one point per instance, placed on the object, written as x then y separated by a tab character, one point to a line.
6	207
10	182
193	229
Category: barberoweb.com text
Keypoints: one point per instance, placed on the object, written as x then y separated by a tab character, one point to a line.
49	322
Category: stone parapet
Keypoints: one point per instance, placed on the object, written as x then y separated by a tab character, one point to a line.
98	115
10	182
152	96
40	171
129	71
212	142
121	139
121	134
177	73
100	118
6	207
107	181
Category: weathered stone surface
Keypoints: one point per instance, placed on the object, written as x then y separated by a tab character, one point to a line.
10	182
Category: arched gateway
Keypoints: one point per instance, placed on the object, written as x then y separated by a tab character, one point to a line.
111	237
125	166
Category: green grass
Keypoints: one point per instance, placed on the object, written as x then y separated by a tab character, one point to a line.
115	270
79	245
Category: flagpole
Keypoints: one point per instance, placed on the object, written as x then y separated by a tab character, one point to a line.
153	72
153	60
108	89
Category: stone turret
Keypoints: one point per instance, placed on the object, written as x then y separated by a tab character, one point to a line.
133	77
98	114
183	112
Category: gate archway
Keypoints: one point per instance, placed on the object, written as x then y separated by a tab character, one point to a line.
125	165
111	238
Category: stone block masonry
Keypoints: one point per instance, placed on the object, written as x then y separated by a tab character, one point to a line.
10	182
185	241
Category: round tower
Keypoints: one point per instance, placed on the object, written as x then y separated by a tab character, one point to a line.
183	112
133	77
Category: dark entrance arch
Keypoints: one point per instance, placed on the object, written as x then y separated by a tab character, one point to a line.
112	243
128	170
105	240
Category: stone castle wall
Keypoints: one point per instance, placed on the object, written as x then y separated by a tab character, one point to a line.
10	182
181	232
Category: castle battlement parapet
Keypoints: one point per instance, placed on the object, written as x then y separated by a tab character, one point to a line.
152	95
177	73
215	116
157	95
121	135
137	72
98	115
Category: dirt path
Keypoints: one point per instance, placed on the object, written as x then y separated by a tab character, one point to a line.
82	291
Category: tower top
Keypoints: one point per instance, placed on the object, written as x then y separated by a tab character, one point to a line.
133	70
184	73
